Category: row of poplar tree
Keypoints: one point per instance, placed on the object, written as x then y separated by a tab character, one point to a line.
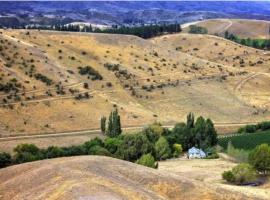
112	126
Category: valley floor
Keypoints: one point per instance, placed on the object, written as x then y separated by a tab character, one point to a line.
208	171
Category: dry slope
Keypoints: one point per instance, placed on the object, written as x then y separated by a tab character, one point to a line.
241	27
86	75
95	177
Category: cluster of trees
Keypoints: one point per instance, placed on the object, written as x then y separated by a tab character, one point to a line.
152	144
197	29
90	72
43	79
200	133
258	163
262	126
145	31
113	126
255	43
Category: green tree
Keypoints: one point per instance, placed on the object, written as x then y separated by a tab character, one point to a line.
103	124
190	120
240	174
162	149
134	146
153	131
114	124
181	135
109	130
259	158
211	133
94	142
147	160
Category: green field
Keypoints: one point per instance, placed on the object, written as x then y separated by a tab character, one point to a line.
246	141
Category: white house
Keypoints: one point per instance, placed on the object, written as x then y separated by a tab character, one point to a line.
196	153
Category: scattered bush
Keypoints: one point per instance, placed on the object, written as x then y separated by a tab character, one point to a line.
87	70
240	174
259	158
43	78
197	29
112	67
177	150
147	160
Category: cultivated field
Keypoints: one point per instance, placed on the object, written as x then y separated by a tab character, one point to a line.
246	141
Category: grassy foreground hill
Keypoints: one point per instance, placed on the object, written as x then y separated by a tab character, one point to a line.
96	177
57	81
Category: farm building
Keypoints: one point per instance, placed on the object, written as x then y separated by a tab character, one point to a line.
196	153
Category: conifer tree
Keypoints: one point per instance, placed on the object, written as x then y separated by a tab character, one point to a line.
103	124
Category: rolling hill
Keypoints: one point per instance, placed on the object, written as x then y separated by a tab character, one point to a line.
256	29
162	79
96	177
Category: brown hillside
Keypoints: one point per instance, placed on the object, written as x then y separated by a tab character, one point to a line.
95	177
156	80
241	27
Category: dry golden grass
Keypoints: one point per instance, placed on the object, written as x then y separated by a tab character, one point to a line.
241	27
209	173
205	76
96	177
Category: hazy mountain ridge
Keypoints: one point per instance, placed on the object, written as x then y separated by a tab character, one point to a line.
22	13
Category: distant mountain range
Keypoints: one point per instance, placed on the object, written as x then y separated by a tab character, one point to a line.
128	12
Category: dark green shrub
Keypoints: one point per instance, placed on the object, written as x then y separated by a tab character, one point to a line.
5	159
197	29
264	125
112	144
228	176
53	152
94	142
147	160
88	70
98	150
74	150
27	153
177	150
251	128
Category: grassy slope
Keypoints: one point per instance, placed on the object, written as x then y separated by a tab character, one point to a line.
97	177
191	80
241	27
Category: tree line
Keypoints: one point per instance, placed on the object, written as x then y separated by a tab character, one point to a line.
152	144
255	43
144	31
